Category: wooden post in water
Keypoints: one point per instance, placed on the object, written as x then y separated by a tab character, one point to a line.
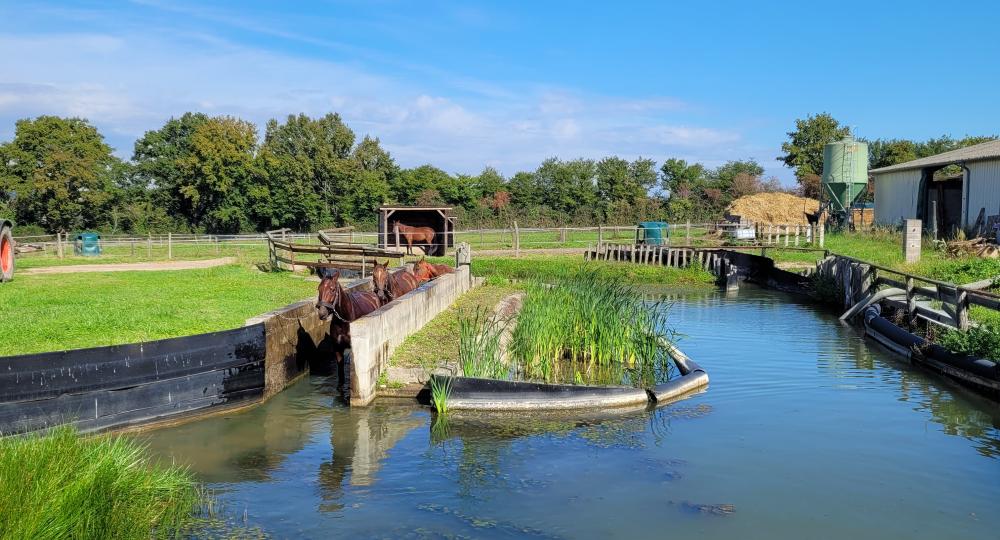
911	302
962	310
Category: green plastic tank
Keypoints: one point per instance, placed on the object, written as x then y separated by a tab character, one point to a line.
845	172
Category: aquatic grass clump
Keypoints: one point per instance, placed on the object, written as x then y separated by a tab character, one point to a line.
64	485
480	348
591	327
440	393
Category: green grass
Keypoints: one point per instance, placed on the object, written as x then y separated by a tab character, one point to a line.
64	485
590	328
67	311
550	267
437	343
480	344
124	254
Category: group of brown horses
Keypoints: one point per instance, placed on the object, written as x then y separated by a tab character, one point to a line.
343	306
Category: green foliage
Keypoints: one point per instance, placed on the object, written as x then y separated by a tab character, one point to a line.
548	268
440	393
700	194
587	326
804	148
480	353
43	312
62	172
64	485
886	152
982	341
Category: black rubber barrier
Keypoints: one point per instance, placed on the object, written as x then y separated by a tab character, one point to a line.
980	372
107	387
476	394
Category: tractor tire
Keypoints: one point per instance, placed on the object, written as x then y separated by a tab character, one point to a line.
6	255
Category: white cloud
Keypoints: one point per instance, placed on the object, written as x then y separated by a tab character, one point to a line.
131	82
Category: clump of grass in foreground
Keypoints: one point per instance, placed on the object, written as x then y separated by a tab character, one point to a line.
590	327
64	485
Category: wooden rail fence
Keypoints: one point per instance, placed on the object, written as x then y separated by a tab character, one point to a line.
328	254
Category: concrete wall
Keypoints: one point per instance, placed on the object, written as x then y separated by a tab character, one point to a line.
375	336
296	340
896	196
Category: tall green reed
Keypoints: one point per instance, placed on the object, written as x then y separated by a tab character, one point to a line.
480	348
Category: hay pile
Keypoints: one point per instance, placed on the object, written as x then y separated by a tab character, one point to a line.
773	208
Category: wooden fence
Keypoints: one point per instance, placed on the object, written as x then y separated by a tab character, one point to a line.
358	257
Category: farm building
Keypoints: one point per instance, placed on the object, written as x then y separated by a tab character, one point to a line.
952	190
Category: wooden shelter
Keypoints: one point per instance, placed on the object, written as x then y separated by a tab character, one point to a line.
438	218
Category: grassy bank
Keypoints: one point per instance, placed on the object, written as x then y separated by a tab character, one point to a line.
437	342
550	267
64	485
67	311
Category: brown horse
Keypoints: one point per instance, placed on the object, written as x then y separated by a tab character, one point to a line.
343	306
413	235
391	285
426	271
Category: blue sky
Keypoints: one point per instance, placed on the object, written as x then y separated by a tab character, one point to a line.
508	84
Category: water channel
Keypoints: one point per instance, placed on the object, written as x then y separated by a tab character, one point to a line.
806	431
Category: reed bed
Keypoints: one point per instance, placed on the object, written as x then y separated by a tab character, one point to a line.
585	328
480	349
64	485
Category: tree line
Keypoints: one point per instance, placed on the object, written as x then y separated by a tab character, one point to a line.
215	174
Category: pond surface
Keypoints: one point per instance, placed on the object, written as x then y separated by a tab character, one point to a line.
806	431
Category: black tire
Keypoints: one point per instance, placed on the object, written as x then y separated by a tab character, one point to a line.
6	254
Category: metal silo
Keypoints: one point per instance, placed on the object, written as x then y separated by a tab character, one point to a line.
845	172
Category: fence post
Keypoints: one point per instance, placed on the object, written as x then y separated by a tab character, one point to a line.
517	241
797	229
911	302
59	245
962	310
149	245
170	245
821	232
395	230
132	246
562	235
687	232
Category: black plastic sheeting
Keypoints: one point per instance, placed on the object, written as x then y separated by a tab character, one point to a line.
981	367
107	387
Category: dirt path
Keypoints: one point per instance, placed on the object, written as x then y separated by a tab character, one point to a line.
129	267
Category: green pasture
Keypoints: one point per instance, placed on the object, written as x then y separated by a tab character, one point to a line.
69	311
116	253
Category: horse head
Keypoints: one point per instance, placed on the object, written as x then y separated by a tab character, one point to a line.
329	292
380	281
423	270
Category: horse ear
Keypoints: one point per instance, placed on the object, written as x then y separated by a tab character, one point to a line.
323	273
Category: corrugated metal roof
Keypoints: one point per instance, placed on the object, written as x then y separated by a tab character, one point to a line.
976	152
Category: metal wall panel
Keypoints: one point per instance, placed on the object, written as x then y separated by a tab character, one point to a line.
983	190
896	196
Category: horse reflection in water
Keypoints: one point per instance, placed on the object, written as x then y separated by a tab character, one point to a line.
361	439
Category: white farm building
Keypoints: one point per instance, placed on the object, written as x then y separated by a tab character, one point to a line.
964	195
